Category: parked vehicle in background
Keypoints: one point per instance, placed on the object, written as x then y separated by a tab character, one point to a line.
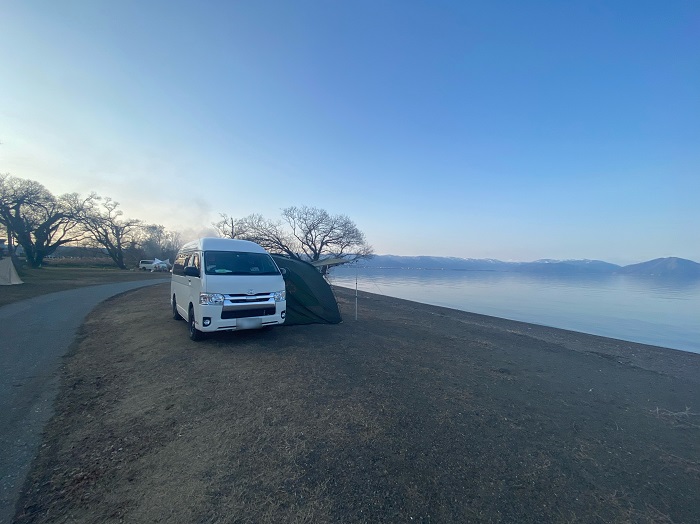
221	284
146	265
154	265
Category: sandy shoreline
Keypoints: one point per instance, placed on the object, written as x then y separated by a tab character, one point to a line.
412	412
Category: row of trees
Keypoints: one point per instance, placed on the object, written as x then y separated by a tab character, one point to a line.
40	222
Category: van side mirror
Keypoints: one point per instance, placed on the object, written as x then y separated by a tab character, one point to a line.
283	270
191	271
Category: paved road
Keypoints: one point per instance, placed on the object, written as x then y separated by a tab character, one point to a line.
34	335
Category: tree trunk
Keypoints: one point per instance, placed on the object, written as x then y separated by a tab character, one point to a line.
118	257
33	259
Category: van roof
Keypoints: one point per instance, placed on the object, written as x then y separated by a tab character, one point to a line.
223	244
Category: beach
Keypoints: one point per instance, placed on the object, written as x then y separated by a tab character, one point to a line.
411	413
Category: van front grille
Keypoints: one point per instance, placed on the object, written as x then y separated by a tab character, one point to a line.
248	299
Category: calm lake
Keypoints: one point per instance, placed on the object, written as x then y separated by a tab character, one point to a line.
661	312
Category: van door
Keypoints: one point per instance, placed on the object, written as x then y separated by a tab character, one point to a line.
195	285
179	287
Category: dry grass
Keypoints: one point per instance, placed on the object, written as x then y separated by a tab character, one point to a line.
380	420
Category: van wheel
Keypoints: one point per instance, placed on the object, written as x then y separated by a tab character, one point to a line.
176	315
195	334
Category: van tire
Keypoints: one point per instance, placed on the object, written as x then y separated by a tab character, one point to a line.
194	333
176	314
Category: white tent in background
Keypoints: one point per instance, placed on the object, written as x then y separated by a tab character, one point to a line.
8	274
160	265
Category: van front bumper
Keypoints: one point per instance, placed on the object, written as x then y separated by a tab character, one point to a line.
216	318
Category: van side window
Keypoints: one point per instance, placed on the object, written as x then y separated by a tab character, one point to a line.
178	264
181	261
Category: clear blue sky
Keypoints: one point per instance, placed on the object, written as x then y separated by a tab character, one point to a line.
513	130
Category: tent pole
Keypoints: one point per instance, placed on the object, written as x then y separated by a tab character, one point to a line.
355	292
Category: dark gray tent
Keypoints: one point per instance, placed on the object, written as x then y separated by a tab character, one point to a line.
310	299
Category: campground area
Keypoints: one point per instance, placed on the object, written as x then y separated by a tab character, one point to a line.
412	413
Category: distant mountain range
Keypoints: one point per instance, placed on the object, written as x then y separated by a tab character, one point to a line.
660	267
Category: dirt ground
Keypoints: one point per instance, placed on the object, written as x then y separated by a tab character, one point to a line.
413	413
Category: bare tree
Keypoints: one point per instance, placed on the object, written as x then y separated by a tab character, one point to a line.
39	221
319	234
227	227
306	233
268	233
105	226
158	242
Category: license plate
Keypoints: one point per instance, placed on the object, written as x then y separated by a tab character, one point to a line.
249	323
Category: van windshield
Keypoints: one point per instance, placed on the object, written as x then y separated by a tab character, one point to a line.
239	263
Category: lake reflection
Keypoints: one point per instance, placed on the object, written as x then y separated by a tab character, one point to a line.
662	312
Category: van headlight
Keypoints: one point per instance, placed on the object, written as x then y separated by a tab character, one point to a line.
211	299
280	295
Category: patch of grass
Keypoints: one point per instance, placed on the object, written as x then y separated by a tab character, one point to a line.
50	279
101	262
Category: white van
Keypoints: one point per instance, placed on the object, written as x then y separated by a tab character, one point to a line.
220	284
